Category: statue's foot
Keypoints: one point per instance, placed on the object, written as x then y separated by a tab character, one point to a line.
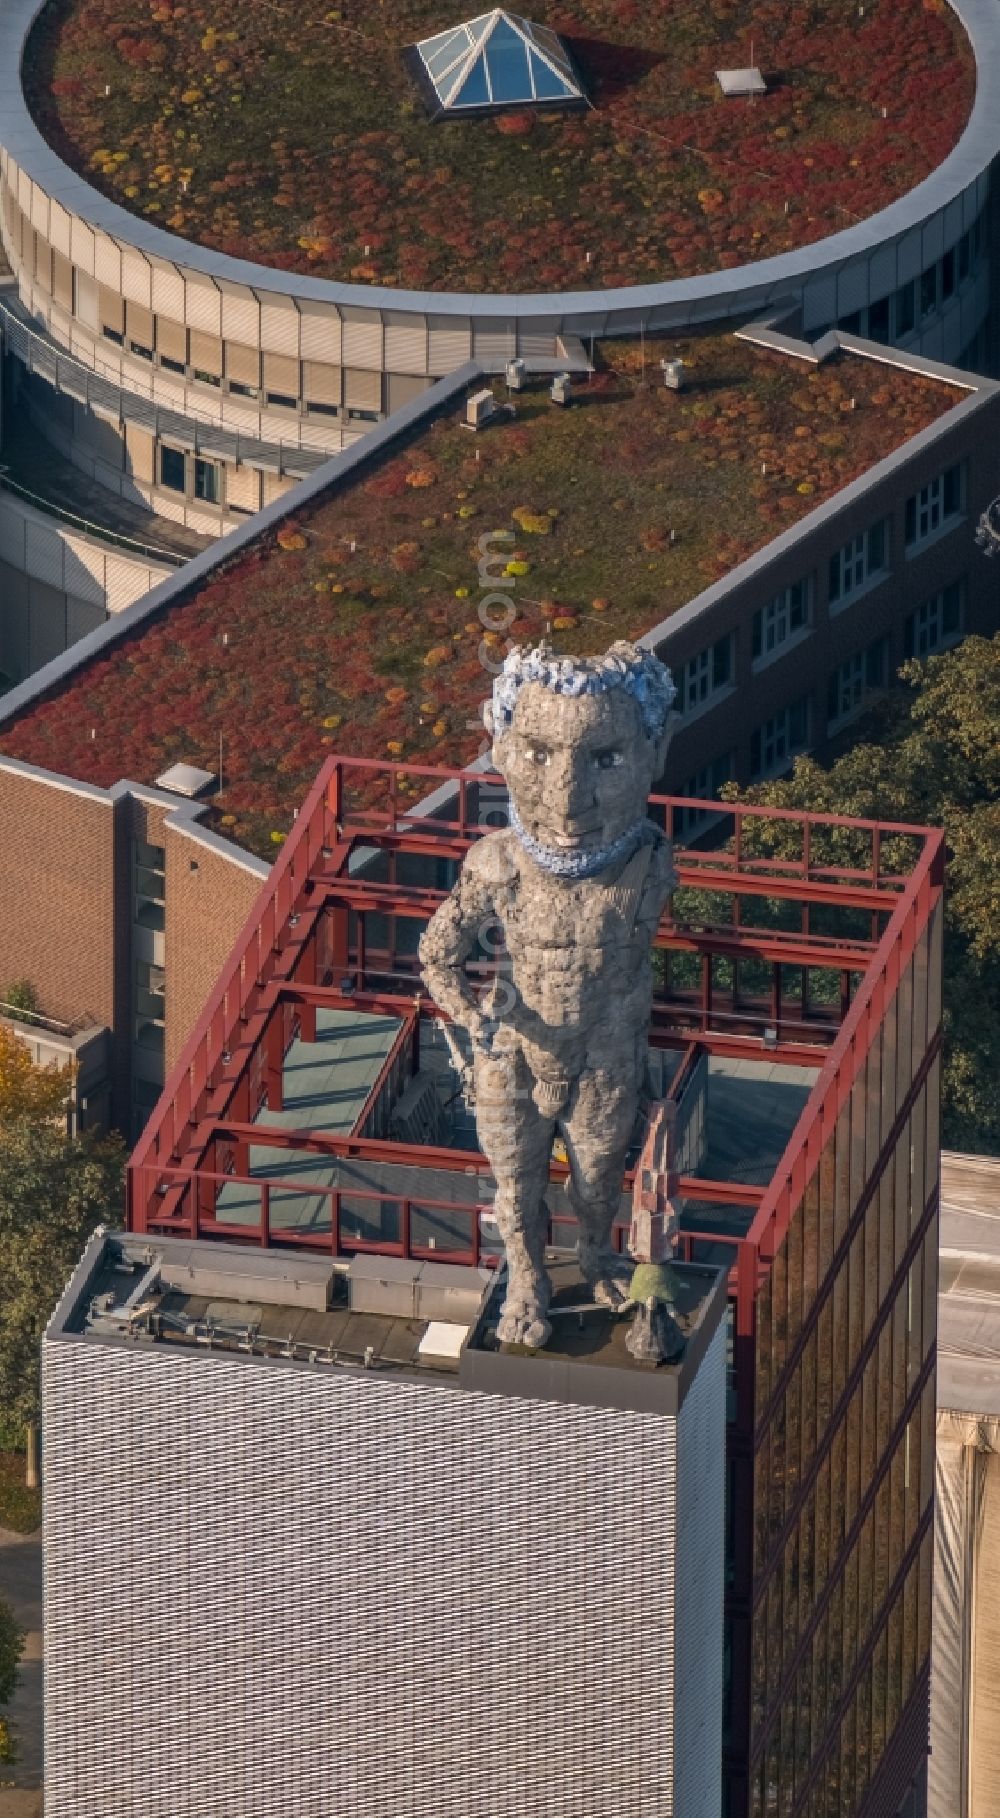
607	1275
523	1315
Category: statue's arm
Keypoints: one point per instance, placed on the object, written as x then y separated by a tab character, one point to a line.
451	936
661	880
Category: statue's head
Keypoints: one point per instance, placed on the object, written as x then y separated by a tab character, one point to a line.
580	742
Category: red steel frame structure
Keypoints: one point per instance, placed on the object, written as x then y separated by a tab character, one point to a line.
832	1282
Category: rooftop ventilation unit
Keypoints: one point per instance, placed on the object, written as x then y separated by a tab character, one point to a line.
186	779
480	409
674	374
741	81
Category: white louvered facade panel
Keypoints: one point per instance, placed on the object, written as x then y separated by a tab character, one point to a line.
81	245
12	524
363	339
202	304
243	488
405	343
273	1592
279	325
59	228
107	262
240	314
24	191
85	570
494	340
244	417
321	334
39	210
128	581
449	341
43	552
136	277
168	291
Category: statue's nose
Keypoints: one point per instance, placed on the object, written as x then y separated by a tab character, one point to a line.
572	789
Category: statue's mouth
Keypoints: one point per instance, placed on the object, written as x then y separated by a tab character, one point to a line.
572	842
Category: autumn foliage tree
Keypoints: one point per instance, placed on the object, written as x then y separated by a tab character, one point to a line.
54	1189
933	758
40	1094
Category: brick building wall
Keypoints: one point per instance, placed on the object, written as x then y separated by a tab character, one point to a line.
209	897
56	885
67	902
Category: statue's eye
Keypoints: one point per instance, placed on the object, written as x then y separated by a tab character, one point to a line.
538	755
607	760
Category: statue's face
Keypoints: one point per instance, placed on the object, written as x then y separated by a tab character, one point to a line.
579	768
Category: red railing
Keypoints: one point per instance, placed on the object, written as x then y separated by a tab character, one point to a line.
277	948
194	1214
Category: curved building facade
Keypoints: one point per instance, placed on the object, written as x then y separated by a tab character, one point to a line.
225	380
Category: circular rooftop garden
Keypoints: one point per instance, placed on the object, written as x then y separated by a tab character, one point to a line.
295	135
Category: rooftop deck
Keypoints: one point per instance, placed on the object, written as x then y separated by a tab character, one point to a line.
314	1107
388	1321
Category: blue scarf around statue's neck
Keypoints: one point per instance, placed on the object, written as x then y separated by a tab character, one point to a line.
583	864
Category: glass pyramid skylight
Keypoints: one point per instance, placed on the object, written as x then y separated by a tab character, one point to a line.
497	60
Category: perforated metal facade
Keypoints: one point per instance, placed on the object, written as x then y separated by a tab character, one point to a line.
274	1592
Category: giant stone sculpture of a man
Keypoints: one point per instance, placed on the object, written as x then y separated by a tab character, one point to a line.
572	891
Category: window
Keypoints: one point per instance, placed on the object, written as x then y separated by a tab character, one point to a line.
774	744
322	410
861	675
282	400
878	320
928	291
172	469
364	416
937	623
148	1006
905	310
703	675
705	784
932	508
150	989
207	480
112	334
964	256
171	365
143	353
148	885
205	378
948	274
776	622
859	562
851	324
239	390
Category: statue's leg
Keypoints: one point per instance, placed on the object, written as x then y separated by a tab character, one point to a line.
597	1128
517	1142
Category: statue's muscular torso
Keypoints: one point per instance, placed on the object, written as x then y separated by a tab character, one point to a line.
578	951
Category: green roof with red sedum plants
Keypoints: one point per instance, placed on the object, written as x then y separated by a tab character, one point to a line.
294	135
356	626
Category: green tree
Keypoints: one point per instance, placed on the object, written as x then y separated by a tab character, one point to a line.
54	1189
11	1649
932	757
